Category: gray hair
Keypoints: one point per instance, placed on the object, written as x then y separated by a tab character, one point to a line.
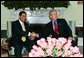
52	11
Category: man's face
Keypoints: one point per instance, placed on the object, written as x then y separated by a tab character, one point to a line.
53	15
23	17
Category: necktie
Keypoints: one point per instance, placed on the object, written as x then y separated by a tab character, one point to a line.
56	27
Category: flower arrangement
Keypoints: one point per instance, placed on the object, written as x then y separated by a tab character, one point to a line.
53	47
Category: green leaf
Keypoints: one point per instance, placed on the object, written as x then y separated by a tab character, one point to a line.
35	4
54	52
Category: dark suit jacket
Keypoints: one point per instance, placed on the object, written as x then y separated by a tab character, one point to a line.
17	32
64	29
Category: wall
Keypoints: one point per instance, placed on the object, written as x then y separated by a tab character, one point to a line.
74	12
5	16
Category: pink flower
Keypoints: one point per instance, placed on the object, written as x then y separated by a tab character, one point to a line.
71	47
69	42
49	39
39	42
33	51
41	51
76	55
35	47
62	40
44	45
50	46
59	53
42	42
42	39
67	53
67	45
49	52
75	49
54	40
58	45
37	54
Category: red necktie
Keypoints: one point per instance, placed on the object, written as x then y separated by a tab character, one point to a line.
56	27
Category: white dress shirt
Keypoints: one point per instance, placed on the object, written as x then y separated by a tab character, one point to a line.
23	26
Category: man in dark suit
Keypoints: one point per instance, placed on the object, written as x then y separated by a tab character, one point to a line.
21	35
62	30
56	27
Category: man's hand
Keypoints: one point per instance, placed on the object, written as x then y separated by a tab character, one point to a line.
33	35
71	38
